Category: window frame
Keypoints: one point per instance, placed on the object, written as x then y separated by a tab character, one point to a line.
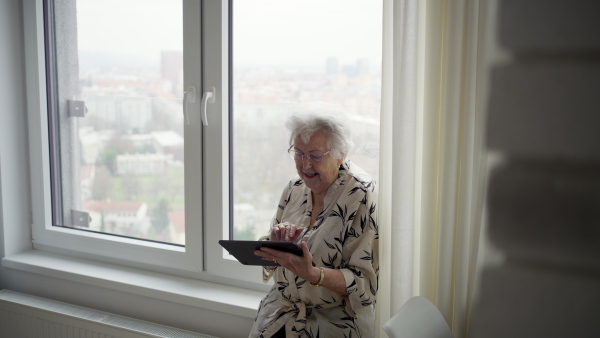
202	257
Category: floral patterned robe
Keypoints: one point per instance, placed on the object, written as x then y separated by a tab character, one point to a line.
345	237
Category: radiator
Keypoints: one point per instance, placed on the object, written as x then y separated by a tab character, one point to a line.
26	316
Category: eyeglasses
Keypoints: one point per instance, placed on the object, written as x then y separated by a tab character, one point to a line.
314	157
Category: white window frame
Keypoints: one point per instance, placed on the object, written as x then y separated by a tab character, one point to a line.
207	203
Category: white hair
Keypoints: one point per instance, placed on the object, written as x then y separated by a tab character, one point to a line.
329	118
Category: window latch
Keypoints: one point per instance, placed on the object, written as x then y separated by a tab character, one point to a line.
77	108
207	97
189	96
80	218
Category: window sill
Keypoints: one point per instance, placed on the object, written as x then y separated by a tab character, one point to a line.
188	291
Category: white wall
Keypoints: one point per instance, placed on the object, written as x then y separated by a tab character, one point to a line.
15	234
13	131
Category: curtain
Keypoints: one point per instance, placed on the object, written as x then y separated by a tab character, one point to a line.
432	167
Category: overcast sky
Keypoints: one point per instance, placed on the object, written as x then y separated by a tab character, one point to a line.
302	32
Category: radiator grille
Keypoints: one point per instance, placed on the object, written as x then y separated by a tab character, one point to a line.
23	315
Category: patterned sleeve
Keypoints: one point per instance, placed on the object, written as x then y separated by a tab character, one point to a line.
284	199
360	265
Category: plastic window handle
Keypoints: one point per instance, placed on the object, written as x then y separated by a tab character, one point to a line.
189	96
208	96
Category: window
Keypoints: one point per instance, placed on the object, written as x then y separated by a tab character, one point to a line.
119	157
287	52
122	166
133	171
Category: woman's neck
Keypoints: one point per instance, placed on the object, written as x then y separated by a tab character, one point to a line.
317	199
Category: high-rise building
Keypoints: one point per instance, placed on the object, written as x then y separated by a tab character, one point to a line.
332	65
171	67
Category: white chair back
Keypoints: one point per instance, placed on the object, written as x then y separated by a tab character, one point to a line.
418	318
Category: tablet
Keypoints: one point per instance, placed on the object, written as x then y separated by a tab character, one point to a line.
243	251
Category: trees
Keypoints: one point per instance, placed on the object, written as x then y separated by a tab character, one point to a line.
102	187
160	216
117	145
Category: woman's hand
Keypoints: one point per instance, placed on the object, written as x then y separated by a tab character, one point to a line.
302	267
286	232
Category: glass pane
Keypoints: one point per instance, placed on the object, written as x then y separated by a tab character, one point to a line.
287	52
126	57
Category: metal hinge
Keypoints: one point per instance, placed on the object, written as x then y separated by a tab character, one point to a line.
80	218
77	108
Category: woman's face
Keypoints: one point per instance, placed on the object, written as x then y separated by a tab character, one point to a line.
317	176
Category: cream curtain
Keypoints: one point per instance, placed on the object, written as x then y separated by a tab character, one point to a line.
432	168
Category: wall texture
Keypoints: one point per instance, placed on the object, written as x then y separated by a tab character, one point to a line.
544	198
14	179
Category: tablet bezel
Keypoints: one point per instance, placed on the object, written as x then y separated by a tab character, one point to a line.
243	251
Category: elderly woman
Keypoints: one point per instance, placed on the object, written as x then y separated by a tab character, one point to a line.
330	208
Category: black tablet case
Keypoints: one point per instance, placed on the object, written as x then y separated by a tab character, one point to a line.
243	251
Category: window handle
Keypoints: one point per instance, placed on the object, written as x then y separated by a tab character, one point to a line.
189	96
207	97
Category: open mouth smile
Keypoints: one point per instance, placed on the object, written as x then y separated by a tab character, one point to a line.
311	175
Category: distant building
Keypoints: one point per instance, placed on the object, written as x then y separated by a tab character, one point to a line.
168	142
332	65
92	142
142	164
141	141
128	218
171	68
361	67
177	226
127	112
349	70
86	175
